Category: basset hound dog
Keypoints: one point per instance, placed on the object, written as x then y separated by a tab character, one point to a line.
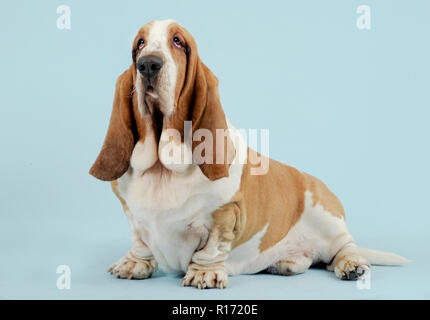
211	216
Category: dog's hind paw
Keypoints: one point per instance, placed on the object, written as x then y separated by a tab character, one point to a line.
351	268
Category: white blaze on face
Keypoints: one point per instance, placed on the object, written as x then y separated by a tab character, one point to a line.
158	44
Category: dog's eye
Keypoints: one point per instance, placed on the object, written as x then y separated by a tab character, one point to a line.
140	44
177	42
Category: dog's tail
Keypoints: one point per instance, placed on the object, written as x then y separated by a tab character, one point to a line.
382	258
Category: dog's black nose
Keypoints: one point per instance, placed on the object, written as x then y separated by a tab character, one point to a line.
149	66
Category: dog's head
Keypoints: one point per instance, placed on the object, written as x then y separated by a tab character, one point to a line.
165	85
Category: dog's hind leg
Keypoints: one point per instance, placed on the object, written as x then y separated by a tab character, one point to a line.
291	265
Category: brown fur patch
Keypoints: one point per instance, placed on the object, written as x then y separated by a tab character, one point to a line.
227	221
278	199
322	195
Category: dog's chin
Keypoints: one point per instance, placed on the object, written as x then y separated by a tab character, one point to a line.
152	104
151	99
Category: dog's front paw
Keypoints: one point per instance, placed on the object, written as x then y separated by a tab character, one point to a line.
131	267
205	279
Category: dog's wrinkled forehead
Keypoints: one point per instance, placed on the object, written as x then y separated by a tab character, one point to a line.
157	37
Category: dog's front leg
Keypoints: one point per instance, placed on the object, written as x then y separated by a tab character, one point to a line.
207	267
138	263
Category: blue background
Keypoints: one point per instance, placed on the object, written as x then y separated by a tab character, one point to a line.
346	105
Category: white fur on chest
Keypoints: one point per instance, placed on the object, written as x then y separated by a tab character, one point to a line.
172	211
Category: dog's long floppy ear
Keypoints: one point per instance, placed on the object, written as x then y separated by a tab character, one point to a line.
114	157
208	114
199	101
